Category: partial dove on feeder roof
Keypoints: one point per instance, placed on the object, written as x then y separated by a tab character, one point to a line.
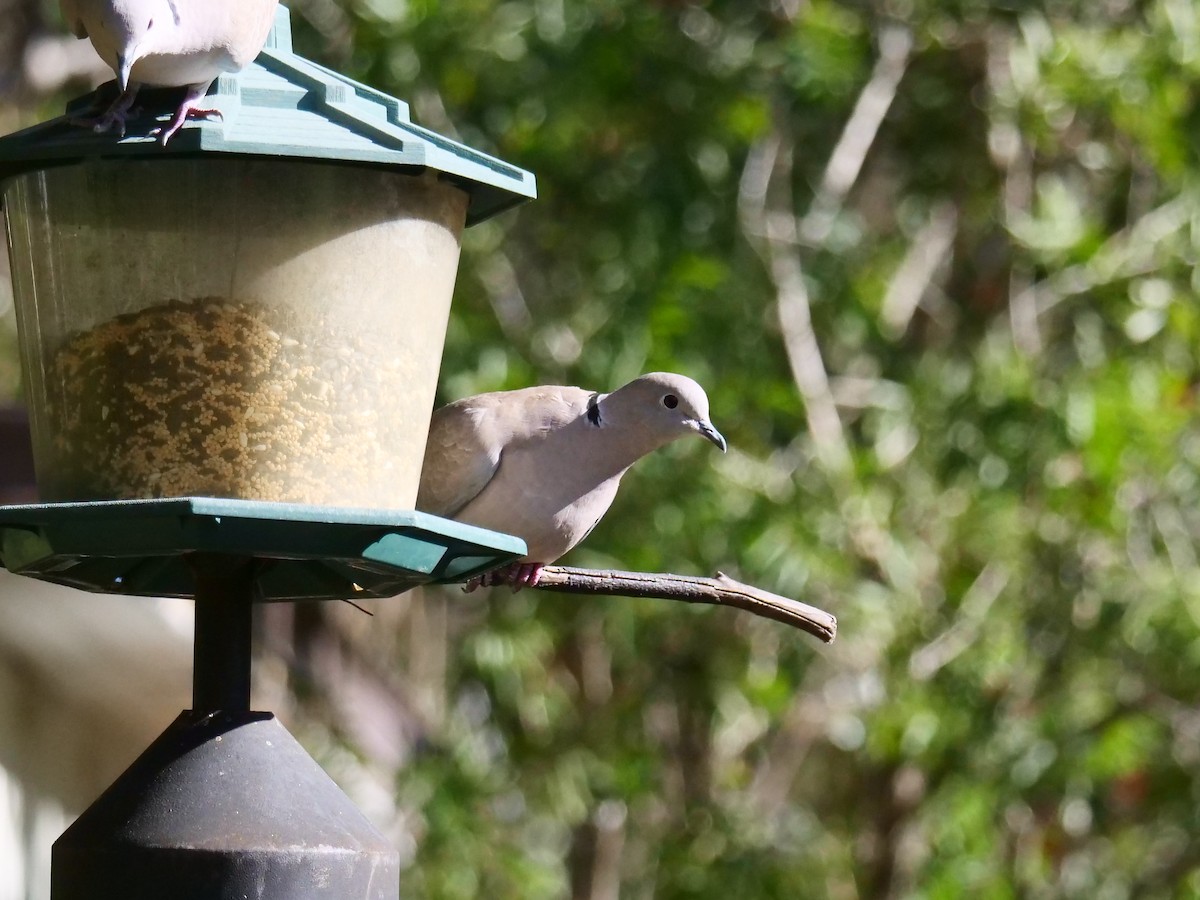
544	463
169	43
280	105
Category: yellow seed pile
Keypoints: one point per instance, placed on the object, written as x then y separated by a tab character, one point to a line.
214	397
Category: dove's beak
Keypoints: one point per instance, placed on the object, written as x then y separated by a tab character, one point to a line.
124	68
709	433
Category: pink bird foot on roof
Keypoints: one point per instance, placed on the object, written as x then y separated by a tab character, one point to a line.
188	109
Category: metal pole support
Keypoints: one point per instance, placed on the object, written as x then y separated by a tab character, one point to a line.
225	803
224	608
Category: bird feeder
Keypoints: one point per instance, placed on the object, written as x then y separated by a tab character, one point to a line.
258	328
231	346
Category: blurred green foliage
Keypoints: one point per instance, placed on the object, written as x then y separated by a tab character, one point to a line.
1010	709
1004	300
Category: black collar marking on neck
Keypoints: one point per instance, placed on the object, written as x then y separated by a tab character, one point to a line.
593	410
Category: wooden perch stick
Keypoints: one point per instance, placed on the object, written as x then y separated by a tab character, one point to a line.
720	590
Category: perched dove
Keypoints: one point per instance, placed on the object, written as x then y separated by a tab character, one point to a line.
544	463
169	43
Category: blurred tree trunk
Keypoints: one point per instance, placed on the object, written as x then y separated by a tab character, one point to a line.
21	19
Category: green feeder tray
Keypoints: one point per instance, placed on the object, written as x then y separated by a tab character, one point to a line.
140	547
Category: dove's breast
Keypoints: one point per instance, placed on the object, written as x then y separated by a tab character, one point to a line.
551	501
178	69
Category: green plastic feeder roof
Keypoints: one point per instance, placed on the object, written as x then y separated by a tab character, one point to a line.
285	105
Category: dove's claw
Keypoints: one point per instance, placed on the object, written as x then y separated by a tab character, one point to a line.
524	575
187	110
516	576
113	118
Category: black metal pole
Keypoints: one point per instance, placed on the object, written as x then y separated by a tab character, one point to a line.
225	804
224	605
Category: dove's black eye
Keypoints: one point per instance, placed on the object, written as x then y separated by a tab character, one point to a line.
670	401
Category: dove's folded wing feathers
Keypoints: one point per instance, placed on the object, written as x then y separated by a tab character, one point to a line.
467	439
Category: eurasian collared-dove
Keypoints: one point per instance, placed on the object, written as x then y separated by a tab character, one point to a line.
169	43
544	463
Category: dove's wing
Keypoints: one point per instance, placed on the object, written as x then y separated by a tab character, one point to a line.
460	457
468	438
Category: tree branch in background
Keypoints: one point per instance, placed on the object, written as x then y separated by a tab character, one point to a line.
595	856
929	249
846	161
777	231
926	661
497	275
803	724
770	223
1014	158
721	590
1134	250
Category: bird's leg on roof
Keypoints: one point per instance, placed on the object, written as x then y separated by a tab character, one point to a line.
188	109
115	116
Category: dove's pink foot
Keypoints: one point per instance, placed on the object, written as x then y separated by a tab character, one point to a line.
118	113
520	575
188	109
516	576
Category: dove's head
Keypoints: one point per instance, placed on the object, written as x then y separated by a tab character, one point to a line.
665	406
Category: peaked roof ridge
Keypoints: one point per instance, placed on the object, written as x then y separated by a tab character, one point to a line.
285	105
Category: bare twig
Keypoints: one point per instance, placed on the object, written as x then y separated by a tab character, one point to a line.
1132	251
929	250
499	280
804	722
947	646
770	223
1014	158
770	167
720	590
846	160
